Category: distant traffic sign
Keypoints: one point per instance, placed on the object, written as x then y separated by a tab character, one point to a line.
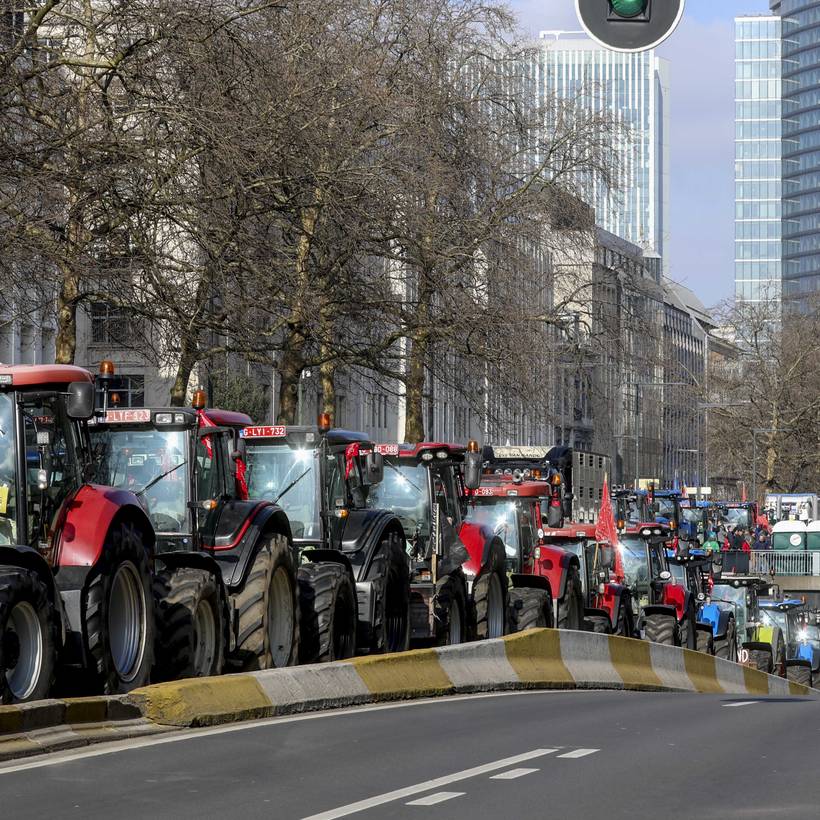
629	25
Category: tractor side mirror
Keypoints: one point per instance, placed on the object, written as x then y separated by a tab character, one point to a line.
472	470
373	469
80	403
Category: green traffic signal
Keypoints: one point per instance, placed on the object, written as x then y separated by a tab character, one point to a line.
629	8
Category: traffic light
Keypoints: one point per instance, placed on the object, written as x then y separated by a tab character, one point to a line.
629	25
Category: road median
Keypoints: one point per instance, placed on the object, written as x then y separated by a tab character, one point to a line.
536	659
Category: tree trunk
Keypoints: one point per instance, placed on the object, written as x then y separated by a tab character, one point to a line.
414	388
67	299
290	372
187	360
327	369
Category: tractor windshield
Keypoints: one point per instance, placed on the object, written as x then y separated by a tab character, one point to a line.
633	555
665	509
502	519
8	472
736	517
149	462
774	617
404	491
279	473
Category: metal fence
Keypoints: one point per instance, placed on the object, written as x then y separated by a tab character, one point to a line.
783	562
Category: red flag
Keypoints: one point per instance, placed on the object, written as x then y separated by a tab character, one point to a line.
351	453
607	531
743	492
204	421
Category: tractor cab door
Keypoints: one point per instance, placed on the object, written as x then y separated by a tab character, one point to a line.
52	470
446	498
214	483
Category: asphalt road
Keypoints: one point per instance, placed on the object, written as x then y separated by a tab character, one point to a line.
530	755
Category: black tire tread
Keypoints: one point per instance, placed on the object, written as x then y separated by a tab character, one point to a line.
662	629
571	604
528	609
320	588
448	589
177	594
23	585
389	569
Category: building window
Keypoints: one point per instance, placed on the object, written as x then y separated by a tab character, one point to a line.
111	325
129	389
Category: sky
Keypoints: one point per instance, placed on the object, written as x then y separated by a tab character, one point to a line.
701	54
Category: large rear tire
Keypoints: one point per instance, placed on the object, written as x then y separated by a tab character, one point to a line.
726	645
799	673
688	631
490	605
625	625
390	575
450	611
705	641
118	626
571	605
268	609
761	659
327	599
28	637
529	609
190	624
662	629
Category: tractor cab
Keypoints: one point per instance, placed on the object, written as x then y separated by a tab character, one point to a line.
732	515
694	520
45	455
318	476
665	506
629	507
183	463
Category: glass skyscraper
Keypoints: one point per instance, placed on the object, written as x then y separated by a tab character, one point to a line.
634	89
800	37
757	159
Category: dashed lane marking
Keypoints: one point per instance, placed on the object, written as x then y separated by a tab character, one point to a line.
579	753
743	703
428	785
432	799
512	774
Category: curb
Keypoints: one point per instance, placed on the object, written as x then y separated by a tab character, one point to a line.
535	659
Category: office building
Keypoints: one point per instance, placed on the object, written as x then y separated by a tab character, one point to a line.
757	159
634	89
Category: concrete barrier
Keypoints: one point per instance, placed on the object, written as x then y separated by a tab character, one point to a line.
536	659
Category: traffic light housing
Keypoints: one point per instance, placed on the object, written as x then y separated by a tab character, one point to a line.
629	25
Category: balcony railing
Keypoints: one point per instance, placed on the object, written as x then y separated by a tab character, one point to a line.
763	562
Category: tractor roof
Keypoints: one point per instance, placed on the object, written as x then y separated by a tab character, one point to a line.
782	606
303	435
175	416
42	375
415	451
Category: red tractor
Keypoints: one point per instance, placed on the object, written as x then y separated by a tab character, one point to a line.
225	577
353	574
458	565
75	557
608	599
513	509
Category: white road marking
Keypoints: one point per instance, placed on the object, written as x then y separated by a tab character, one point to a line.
115	746
427	785
432	799
512	774
579	753
743	703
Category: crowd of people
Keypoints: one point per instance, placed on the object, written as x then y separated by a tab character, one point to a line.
738	539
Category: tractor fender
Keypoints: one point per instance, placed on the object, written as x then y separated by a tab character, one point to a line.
660	609
713	615
237	542
320	556
554	564
678	597
86	518
610	601
596	612
24	557
364	532
477	538
519	581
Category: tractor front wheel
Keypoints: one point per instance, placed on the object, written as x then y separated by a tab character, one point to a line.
329	613
390	575
28	637
571	605
529	609
662	629
726	645
450	611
